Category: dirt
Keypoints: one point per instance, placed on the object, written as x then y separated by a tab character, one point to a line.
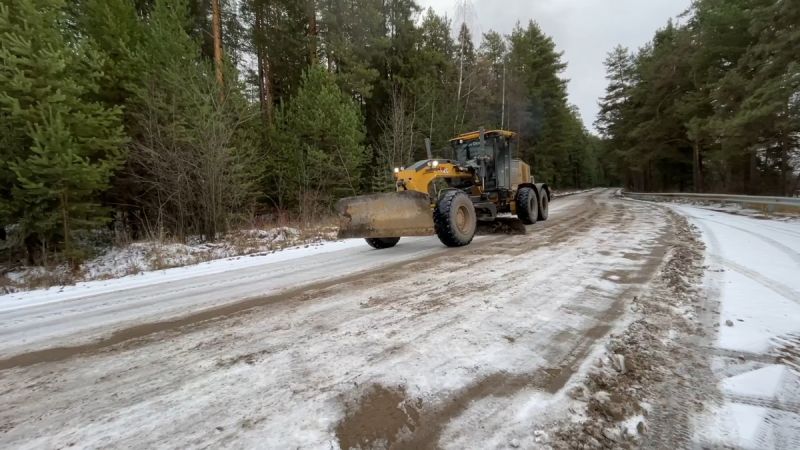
387	418
381	418
659	360
502	225
787	350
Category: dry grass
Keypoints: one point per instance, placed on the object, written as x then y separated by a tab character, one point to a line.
6	285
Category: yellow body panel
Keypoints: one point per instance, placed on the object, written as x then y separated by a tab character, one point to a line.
420	180
472	135
520	173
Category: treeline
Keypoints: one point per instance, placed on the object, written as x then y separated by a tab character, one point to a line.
174	118
712	104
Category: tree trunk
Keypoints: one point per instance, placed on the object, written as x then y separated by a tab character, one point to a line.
65	219
264	87
786	169
216	30
697	166
312	32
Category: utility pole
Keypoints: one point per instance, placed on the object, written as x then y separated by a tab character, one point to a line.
503	107
461	64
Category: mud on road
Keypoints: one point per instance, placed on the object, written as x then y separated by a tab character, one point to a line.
488	343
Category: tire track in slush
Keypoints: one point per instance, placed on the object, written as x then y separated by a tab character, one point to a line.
788	251
779	288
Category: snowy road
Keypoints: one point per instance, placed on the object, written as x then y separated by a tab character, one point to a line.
754	274
79	317
342	346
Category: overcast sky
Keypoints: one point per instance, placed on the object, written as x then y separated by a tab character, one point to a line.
585	30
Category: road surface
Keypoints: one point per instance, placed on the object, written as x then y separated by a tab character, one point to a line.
418	346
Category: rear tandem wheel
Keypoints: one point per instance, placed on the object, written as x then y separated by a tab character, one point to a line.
544	205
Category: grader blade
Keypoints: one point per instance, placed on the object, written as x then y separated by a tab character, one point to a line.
395	214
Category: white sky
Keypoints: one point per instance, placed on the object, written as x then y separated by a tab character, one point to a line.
585	30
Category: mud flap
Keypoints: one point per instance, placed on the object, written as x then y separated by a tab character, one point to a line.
395	214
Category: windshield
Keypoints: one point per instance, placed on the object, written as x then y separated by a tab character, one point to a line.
471	150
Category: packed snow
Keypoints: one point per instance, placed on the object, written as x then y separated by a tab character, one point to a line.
753	268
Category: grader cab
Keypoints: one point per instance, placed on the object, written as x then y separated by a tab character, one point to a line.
449	197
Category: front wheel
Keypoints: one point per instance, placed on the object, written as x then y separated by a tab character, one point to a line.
381	243
454	219
527	206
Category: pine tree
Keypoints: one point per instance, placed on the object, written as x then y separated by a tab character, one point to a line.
354	41
114	29
60	148
762	91
465	56
536	65
318	146
193	164
435	80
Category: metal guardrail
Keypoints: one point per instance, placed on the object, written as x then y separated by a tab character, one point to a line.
764	203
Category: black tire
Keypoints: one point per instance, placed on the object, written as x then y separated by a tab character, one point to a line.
454	219
544	206
381	243
527	206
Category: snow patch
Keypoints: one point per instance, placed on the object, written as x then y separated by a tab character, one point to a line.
734	425
764	382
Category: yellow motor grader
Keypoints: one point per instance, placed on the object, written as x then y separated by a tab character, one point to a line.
449	197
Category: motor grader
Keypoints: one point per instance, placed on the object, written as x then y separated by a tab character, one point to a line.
450	197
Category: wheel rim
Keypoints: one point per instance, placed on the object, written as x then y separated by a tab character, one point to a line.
461	218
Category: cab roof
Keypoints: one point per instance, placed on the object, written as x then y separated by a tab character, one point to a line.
472	135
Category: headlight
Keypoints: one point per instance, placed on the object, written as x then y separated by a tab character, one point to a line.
435	164
396	170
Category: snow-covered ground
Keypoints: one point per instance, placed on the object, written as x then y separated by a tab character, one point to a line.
147	256
754	273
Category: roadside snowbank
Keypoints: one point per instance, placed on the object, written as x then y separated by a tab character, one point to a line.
148	256
727	207
568	192
145	278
